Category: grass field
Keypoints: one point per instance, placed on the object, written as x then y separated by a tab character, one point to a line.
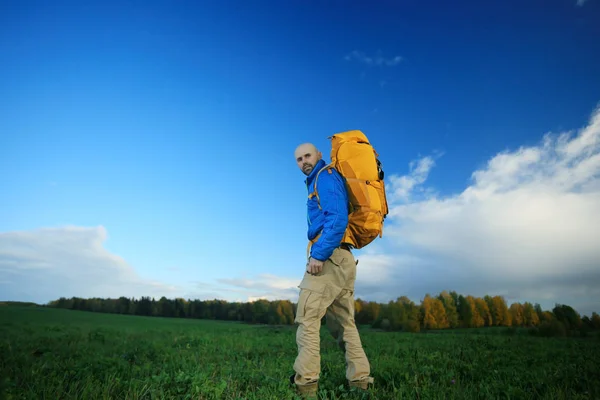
53	353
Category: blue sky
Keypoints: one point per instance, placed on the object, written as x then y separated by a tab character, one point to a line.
162	134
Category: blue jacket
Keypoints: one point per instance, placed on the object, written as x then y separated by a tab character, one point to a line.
332	219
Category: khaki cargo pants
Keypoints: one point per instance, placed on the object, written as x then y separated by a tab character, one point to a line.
331	293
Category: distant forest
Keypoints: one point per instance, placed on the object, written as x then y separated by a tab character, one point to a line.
448	310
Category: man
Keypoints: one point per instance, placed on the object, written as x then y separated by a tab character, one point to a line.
328	284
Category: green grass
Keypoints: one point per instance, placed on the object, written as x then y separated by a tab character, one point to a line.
52	353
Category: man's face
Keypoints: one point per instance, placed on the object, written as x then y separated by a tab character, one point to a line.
307	157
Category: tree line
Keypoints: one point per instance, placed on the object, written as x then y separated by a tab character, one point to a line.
447	310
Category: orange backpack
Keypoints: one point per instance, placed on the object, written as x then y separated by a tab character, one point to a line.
357	161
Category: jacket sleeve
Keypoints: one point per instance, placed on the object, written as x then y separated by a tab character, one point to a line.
334	204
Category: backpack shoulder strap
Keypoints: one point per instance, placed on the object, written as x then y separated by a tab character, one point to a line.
314	192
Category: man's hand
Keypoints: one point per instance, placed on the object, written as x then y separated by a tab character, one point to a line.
314	266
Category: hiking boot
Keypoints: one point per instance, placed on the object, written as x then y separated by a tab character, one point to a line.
363	384
308	390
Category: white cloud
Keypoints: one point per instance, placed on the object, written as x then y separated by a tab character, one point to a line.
580	3
527	226
377	60
403	188
45	264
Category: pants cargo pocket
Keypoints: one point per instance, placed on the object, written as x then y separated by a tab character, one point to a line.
338	257
309	305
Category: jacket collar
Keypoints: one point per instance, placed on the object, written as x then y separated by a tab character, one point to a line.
311	177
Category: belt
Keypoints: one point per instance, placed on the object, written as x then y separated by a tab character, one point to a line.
345	246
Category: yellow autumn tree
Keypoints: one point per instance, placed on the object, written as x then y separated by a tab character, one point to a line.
439	313
500	311
450	308
369	312
547	316
516	313
285	312
427	317
476	318
358	306
484	311
530	316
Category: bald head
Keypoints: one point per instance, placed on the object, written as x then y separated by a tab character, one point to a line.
307	157
305	148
